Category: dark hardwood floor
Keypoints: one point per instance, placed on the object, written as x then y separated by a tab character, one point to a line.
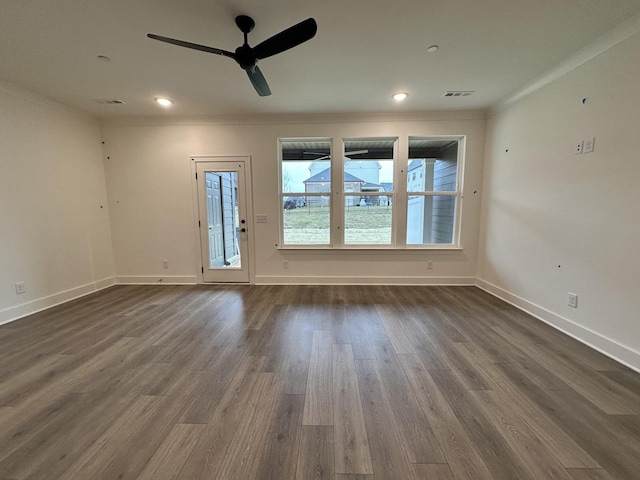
308	382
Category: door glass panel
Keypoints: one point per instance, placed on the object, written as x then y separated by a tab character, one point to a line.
222	218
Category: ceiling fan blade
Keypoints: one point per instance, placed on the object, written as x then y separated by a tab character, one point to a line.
258	81
286	39
194	46
322	156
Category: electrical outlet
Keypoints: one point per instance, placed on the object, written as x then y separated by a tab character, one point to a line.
165	263
285	264
573	300
20	288
589	145
579	147
429	264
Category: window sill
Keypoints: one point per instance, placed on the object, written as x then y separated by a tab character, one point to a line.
360	249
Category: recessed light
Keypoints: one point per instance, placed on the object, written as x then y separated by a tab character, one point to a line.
433	49
399	96
165	102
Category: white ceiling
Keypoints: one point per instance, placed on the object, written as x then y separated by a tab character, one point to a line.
364	51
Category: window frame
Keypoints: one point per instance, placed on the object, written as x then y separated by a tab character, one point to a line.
399	196
307	246
457	194
341	197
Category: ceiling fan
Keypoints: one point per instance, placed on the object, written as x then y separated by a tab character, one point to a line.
347	155
247	57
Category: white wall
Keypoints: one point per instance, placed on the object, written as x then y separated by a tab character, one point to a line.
555	222
54	226
152	214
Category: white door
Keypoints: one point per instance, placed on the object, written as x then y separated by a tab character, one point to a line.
222	210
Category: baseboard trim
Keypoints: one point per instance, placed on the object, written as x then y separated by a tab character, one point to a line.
157	280
39	304
612	349
359	280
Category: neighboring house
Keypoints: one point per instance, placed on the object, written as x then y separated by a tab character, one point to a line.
318	166
387	199
321	182
359	176
430	217
367	170
376	200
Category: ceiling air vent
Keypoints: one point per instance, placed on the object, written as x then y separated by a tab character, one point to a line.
111	101
458	93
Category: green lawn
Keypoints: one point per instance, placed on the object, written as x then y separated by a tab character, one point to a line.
363	225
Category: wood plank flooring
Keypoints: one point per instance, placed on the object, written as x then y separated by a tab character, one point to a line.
308	382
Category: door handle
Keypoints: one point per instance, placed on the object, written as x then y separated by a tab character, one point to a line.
243	229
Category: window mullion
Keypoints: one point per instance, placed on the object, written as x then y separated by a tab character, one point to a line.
459	193
400	194
337	193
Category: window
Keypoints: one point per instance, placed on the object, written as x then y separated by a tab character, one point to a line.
368	186
433	196
364	205
306	191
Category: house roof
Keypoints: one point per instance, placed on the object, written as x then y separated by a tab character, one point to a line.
414	164
325	176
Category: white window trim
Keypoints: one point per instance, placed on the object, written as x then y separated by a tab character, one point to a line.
339	196
399	198
281	245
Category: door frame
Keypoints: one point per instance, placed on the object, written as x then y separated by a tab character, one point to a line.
197	245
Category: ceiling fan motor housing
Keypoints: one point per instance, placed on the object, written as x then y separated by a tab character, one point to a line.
245	57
